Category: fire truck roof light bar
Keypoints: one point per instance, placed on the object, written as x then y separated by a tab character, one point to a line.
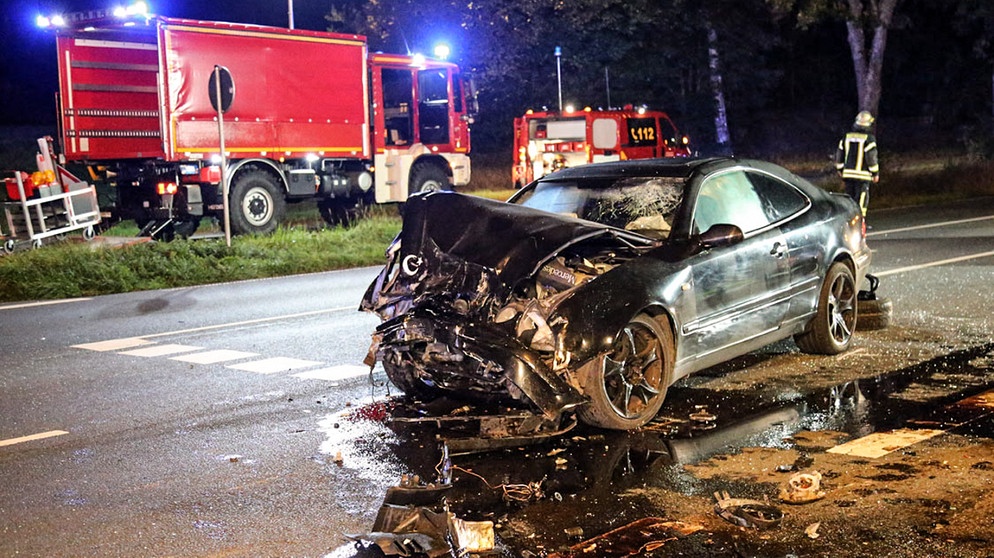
135	10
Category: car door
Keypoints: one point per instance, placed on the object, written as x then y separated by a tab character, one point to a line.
740	291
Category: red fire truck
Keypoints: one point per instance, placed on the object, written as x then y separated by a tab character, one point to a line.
311	116
547	141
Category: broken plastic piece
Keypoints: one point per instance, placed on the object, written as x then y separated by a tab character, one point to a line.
812	530
802	488
743	512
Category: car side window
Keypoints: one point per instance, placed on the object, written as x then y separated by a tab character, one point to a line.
780	200
731	199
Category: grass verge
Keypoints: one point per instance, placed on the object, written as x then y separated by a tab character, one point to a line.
71	269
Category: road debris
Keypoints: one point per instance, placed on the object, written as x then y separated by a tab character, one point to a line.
743	512
802	488
634	539
812	530
414	520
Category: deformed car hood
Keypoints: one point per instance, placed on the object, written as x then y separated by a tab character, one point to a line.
512	240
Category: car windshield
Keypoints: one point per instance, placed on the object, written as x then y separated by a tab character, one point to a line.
645	205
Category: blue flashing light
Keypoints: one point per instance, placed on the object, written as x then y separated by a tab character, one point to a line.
442	51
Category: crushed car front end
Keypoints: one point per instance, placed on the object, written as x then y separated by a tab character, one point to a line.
469	299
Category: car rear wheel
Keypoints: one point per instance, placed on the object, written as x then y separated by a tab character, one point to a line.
831	330
627	385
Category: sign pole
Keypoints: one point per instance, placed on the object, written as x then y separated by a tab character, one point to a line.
224	160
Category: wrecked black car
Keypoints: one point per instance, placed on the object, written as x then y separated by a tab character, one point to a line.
595	288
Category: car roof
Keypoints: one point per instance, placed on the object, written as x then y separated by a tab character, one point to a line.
677	167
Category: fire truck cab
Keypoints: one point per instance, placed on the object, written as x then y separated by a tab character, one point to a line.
548	141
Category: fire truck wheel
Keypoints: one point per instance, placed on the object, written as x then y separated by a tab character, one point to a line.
257	203
428	178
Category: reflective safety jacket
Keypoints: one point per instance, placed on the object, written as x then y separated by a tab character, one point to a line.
856	157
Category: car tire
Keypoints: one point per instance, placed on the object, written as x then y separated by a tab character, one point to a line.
831	330
874	313
257	204
627	385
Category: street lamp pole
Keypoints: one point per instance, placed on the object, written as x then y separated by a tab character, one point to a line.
290	12
559	75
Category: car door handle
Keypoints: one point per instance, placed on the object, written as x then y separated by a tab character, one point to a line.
779	250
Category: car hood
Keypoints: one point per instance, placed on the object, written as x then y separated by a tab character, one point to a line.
511	240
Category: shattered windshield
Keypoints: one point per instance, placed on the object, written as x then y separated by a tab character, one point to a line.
646	205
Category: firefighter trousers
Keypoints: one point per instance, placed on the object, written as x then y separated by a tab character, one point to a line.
859	191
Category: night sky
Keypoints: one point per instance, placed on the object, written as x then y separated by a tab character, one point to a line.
28	71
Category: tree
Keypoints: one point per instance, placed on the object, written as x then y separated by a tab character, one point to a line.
867	23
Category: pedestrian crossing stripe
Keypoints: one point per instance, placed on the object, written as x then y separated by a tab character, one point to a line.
334	373
276	364
114	344
214	357
160	350
139	347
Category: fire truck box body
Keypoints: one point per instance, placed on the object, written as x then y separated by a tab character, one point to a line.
146	95
311	116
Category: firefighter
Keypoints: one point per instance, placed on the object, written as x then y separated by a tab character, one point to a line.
856	160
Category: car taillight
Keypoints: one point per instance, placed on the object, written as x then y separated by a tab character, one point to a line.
164	188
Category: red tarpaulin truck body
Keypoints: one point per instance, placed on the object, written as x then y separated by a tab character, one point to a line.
311	115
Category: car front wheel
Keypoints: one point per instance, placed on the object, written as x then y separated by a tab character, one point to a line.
627	385
830	333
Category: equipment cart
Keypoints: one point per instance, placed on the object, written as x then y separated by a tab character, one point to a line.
49	203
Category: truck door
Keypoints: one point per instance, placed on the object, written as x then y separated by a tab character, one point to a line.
396	92
433	106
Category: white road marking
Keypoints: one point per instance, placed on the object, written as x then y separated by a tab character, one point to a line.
113	344
161	350
40	303
335	373
248	322
929	226
880	444
41	436
275	364
212	357
932	264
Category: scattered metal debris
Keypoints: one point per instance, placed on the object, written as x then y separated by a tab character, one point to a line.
743	512
802	488
407	524
634	539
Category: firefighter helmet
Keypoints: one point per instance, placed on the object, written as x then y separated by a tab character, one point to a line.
864	119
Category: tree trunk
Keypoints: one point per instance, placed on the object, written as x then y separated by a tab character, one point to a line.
876	18
722	137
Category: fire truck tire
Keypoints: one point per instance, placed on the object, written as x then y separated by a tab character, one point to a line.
426	177
257	203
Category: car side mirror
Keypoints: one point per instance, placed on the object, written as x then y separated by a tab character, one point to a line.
720	235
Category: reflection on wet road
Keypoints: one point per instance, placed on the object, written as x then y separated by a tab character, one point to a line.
578	478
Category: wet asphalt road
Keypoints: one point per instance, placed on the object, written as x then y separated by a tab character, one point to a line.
234	419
